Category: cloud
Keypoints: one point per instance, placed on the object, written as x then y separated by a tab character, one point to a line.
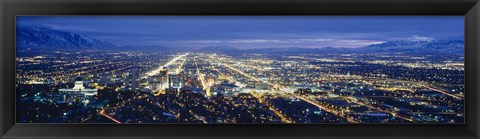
252	43
257	41
359	43
414	38
421	38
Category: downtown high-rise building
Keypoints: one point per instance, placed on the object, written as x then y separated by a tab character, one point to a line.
133	79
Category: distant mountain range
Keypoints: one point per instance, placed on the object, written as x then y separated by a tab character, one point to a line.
151	48
433	46
50	39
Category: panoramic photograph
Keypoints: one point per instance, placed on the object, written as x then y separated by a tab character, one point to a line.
240	69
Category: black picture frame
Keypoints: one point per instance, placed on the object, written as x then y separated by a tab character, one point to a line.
10	8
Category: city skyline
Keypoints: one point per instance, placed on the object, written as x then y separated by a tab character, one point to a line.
247	32
415	75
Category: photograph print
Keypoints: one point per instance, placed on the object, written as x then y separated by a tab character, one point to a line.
240	69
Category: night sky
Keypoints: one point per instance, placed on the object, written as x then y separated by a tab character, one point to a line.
246	32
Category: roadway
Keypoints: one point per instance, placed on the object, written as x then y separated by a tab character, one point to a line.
160	68
335	112
102	112
431	87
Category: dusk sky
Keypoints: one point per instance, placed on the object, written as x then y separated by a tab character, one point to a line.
246	32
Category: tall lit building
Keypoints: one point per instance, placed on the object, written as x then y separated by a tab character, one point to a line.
133	78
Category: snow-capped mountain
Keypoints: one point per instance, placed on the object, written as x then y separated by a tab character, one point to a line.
50	39
433	46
